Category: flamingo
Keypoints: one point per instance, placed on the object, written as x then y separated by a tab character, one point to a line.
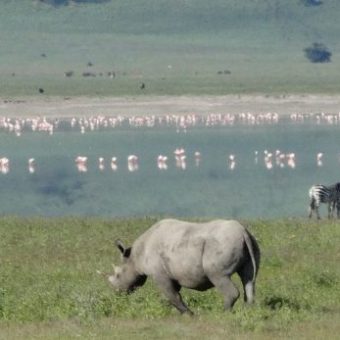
101	164
114	166
198	158
232	162
161	162
4	165
81	163
31	165
132	161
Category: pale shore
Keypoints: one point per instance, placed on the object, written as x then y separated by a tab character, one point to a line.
159	105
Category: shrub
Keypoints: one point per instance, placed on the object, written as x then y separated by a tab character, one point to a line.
312	2
318	53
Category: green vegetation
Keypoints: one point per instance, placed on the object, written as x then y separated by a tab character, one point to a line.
49	287
173	47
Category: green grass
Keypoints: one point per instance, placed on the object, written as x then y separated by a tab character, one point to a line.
173	47
49	287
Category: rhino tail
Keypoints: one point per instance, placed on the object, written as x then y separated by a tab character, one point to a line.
253	250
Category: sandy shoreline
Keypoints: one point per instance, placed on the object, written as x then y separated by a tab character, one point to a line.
143	105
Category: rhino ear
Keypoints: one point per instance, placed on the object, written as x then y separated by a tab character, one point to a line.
124	251
120	246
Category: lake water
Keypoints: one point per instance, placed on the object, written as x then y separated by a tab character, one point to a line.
211	189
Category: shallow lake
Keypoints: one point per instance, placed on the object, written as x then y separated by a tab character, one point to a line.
227	180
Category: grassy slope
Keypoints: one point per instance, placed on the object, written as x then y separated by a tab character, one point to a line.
261	42
49	288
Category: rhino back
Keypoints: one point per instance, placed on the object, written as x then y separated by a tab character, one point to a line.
186	251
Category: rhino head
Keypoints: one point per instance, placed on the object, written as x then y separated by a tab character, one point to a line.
125	278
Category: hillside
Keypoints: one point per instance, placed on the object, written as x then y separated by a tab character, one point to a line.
173	47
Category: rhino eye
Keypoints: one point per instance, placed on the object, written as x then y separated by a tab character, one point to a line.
117	276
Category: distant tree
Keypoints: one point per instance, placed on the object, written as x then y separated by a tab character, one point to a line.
312	2
318	53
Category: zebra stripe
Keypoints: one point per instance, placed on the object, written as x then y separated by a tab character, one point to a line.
324	194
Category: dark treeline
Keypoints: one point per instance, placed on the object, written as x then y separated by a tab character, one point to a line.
67	2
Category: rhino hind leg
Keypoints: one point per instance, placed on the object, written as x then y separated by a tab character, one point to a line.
170	290
228	289
246	274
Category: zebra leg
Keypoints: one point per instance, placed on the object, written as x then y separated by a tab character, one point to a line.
317	212
330	209
311	207
338	208
314	206
310	212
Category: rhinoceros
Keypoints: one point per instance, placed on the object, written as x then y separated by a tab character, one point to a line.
198	256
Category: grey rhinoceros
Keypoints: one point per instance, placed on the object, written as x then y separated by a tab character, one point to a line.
199	256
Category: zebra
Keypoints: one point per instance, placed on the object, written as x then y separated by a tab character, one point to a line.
324	194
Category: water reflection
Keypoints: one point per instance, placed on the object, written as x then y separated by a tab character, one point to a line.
223	171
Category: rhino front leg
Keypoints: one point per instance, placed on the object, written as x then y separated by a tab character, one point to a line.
171	289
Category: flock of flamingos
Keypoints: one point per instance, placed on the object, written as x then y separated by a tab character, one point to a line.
180	122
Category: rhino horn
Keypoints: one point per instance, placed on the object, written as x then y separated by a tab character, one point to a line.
102	273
